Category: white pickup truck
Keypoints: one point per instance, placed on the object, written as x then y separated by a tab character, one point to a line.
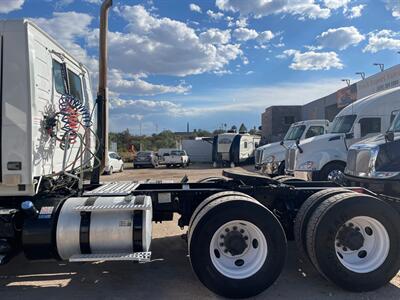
270	158
176	158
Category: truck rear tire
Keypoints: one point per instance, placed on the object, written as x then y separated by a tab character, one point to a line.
237	247
304	215
354	241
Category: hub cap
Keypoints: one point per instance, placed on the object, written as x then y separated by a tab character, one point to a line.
335	175
238	249
362	244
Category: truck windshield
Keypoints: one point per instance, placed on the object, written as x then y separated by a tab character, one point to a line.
294	133
343	124
396	124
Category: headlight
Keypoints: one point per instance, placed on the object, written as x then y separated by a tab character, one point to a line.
308	166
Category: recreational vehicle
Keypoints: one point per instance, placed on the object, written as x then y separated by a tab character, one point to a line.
324	157
234	148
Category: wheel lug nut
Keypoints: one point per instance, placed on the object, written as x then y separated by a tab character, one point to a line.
241	231
221	244
351	224
234	228
338	244
344	249
227	230
246	238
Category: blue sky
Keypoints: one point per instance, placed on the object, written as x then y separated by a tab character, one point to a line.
210	62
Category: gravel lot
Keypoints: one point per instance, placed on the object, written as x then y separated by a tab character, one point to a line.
168	276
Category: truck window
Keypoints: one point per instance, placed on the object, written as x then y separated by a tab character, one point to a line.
395	124
75	85
58	78
343	124
315	131
370	125
294	133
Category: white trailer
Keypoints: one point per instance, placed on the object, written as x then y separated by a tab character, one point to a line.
270	158
324	157
234	148
237	225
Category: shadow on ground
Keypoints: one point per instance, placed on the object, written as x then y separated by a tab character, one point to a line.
168	276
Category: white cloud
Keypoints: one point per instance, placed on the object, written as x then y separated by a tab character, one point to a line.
335	4
156	45
134	85
215	15
340	38
265	36
245	34
195	8
259	8
394	7
215	36
354	12
59	27
312	60
7	6
383	40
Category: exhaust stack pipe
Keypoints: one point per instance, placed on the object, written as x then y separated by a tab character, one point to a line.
102	95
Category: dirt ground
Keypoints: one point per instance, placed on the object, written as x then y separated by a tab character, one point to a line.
168	276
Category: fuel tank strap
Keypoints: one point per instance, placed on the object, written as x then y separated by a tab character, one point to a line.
84	231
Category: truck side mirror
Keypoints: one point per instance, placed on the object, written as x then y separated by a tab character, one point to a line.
389	136
357	131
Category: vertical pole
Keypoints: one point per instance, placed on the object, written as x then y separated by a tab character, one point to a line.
102	96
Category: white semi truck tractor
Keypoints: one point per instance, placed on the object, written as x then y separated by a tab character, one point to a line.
237	225
270	158
324	157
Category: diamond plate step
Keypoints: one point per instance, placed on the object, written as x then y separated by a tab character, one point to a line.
113	189
113	207
137	256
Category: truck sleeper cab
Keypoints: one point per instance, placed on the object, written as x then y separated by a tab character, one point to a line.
270	158
36	73
324	157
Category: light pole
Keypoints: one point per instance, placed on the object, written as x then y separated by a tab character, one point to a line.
381	66
347	81
362	74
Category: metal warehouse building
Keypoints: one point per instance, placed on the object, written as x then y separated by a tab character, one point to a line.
276	120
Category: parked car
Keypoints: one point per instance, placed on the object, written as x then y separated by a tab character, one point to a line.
145	159
270	158
324	157
177	158
115	163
